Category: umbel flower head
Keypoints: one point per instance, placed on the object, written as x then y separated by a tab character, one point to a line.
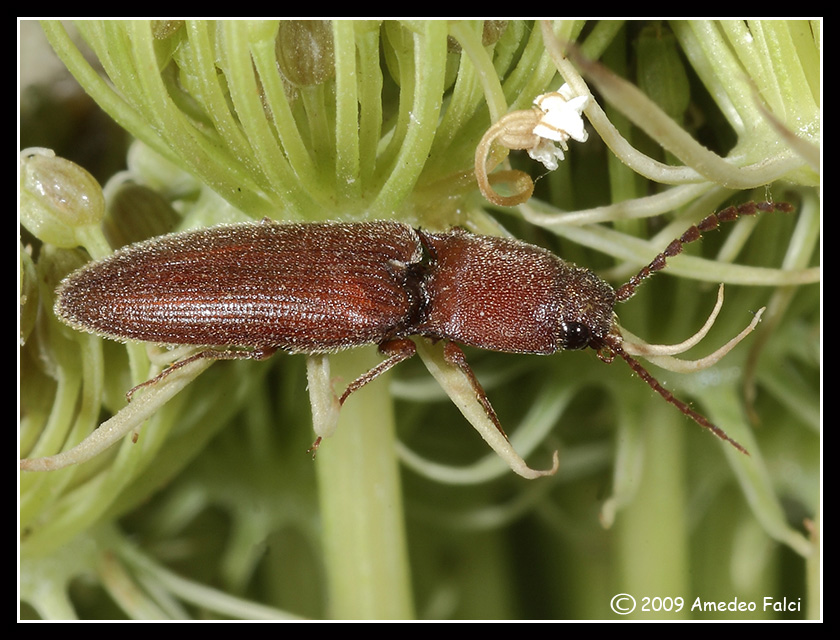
211	507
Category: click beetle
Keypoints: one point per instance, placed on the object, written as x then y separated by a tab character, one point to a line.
248	290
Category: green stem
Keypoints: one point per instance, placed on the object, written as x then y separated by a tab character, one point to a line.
365	550
655	526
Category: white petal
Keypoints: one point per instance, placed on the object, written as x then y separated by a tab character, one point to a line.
561	117
547	153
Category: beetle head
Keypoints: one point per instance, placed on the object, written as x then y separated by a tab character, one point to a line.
587	316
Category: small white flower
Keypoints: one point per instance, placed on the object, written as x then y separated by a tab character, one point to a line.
560	120
548	154
542	131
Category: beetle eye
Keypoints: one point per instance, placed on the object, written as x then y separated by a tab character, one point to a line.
575	335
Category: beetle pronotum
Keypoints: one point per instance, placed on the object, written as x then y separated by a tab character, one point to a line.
247	290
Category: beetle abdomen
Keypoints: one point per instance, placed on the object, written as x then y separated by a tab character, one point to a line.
312	288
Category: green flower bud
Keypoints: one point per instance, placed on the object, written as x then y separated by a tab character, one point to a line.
59	200
493	30
162	29
135	213
305	51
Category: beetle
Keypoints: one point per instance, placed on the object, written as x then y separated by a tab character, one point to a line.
248	290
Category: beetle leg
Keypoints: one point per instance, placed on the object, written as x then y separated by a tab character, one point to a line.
260	353
455	356
397	350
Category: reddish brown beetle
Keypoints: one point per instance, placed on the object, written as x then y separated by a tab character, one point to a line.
317	288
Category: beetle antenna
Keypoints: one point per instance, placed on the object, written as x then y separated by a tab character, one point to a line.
694	233
614	347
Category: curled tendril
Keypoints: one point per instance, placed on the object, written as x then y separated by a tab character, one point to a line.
543	131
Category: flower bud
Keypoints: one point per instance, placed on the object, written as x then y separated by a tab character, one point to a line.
58	198
136	213
305	51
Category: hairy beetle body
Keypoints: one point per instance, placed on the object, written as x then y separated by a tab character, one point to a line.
317	288
505	295
254	288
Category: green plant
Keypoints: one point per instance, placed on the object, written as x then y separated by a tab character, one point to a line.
370	120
